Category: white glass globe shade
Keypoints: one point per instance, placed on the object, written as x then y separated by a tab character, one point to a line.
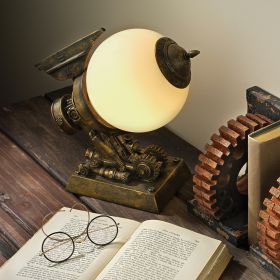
125	85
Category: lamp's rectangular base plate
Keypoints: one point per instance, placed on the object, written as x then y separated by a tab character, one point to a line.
234	229
135	194
265	261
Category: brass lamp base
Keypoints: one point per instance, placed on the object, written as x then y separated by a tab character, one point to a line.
148	196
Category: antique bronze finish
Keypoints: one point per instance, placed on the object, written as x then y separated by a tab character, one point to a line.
148	196
174	62
69	62
61	115
115	168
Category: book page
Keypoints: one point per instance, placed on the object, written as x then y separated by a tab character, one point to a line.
267	133
86	262
159	250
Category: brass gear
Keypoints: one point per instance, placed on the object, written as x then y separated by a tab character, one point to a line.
269	226
218	189
147	168
83	169
156	151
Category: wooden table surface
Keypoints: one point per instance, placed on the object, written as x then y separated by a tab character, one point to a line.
36	160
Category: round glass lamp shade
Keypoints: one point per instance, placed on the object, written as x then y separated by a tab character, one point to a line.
126	86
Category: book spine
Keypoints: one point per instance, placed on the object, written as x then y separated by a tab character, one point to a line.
254	187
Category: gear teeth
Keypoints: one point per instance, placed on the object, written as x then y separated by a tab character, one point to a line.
156	151
275	192
151	162
269	231
213	171
269	226
229	135
257	119
206	195
204	183
272	232
212	212
221	143
271	243
252	125
152	159
214	154
272	205
239	128
274	255
210	171
203	172
269	121
270	218
208	204
207	161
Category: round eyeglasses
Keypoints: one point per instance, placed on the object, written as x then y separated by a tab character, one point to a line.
60	246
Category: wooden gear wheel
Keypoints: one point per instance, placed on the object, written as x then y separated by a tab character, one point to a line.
219	190
269	226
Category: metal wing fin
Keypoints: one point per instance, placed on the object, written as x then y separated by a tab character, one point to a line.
69	62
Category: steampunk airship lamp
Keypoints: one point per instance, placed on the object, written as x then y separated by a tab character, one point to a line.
134	81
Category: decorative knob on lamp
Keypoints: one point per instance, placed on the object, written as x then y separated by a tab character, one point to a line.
134	81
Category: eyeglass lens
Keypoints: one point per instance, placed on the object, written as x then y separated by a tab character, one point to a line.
58	247
102	230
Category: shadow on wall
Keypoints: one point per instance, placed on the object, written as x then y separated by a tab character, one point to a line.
238	43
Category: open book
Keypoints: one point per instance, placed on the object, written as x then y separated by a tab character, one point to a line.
149	250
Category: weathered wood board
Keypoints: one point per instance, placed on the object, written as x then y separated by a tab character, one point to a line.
35	190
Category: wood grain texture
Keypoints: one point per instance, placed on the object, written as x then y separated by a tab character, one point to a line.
29	124
12	236
32	192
